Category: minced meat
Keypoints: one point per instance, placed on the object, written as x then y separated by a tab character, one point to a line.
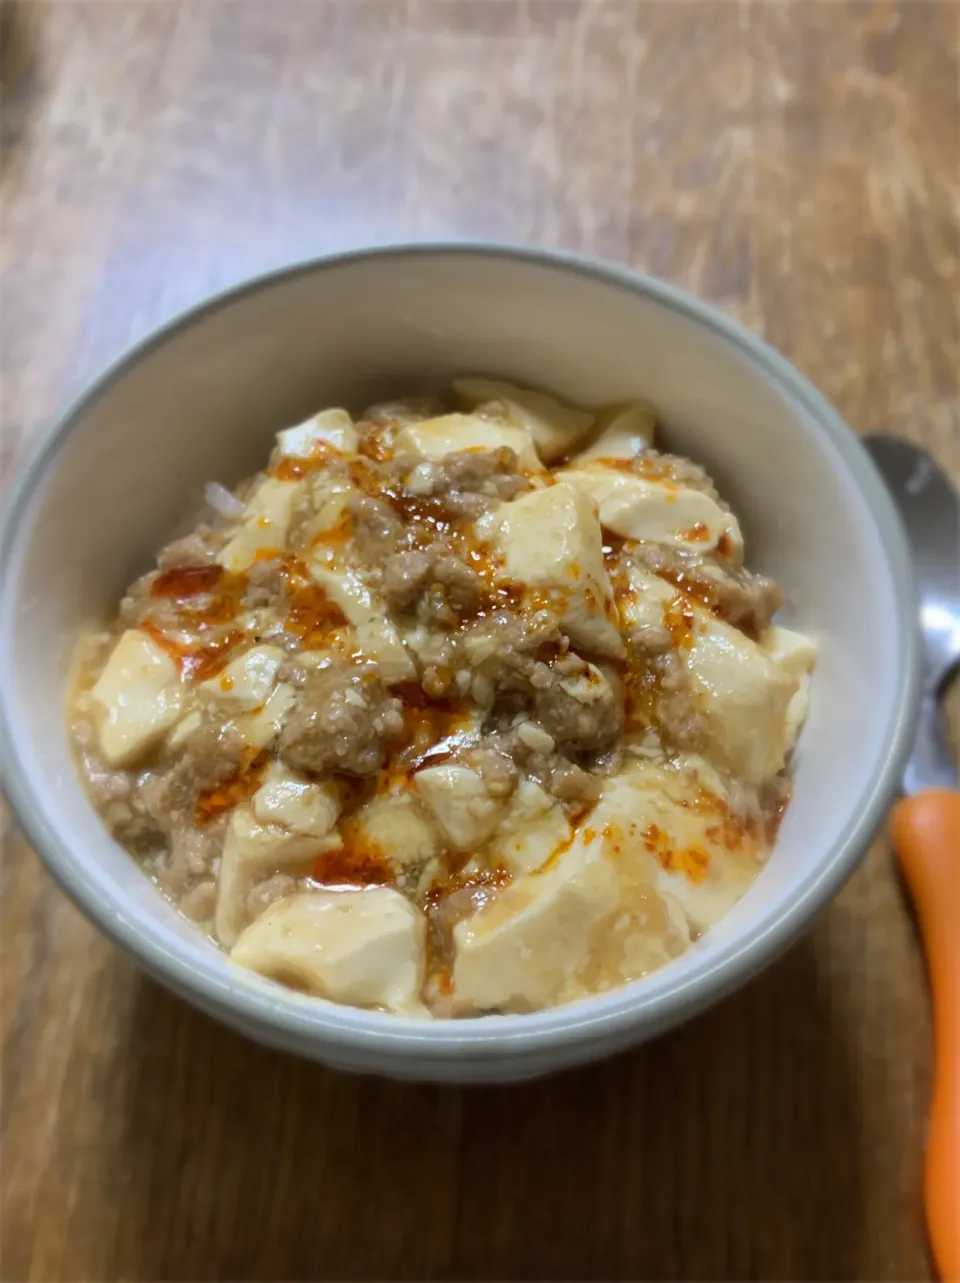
342	720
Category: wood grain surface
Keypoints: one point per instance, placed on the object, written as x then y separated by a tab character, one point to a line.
794	162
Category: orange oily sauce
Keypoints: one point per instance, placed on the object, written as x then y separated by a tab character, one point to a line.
243	783
311	613
454	896
428	723
295	467
359	862
197	663
222	592
430	523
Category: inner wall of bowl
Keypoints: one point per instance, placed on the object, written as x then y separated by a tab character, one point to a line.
204	401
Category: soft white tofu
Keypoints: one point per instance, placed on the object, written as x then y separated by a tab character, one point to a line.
451	433
643	607
246	682
793	651
635	507
535	737
138	697
264	524
743	695
323	540
587	687
397	826
555	429
364	948
331	427
252	851
626	431
460	803
288	799
551	539
671	831
184	728
664	839
376	634
527	948
533	829
261	727
796	655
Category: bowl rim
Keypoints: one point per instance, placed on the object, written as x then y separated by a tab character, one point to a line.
310	1025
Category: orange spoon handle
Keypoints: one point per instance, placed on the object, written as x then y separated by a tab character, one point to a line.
926	832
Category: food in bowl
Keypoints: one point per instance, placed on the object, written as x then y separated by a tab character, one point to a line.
461	707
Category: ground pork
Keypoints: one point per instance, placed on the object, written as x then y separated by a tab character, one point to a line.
190	856
679	713
267	892
508	649
405	576
571	783
341	721
414	409
116	796
196	549
200	901
267	585
495	473
434	584
583	711
682	471
746	600
168	614
211	752
167	796
379	531
495	768
438	662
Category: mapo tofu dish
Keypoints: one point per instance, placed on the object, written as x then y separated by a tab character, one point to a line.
461	706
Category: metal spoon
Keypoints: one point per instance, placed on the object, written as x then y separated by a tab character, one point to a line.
926	824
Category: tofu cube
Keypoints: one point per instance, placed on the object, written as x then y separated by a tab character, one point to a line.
682	860
635	507
533	829
246	682
376	634
261	727
396	825
642	608
251	851
742	694
330	427
264	525
551	539
364	948
452	433
554	428
528	947
459	802
626	430
184	728
795	655
287	799
138	698
744	697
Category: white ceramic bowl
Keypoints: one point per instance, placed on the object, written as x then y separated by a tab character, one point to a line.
201	400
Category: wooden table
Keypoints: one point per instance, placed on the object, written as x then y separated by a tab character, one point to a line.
797	164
